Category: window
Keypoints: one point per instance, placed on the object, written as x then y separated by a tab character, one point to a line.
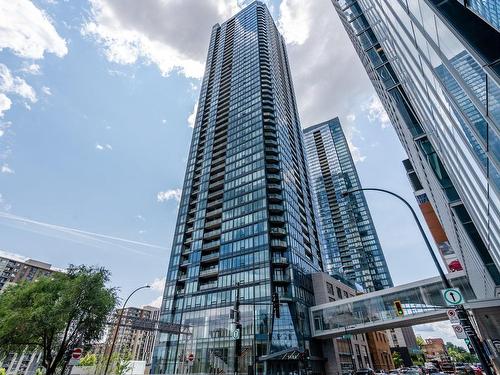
329	288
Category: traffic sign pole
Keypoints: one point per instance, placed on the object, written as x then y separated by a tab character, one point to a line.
462	313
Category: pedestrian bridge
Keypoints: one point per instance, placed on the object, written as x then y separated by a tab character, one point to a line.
422	302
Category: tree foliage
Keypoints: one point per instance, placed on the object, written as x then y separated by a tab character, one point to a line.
56	313
459	354
420	342
88	360
396	358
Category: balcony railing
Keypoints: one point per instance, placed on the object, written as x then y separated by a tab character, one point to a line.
209	271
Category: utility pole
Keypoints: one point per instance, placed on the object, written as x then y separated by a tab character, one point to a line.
117	328
461	312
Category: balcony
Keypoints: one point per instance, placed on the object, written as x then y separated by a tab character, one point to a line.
272	158
273	177
217	176
211	245
210	257
216	184
214	203
275	197
214	212
281	278
209	285
211	234
212	271
273	167
269	142
274	187
277	219
272	150
182	277
212	223
278	243
280	261
278	231
276	208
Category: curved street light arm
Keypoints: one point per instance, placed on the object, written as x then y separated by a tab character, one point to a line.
120	316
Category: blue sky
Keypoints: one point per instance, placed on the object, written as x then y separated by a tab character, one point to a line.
96	101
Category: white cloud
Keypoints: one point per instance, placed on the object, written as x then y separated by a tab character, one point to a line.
376	112
5	104
295	20
356	153
32	69
192	117
101	147
158	284
167	195
27	30
351	133
328	77
15	85
140	217
46	90
438	330
6	169
163	121
173	34
156	302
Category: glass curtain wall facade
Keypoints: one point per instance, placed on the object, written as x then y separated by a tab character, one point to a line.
435	66
350	244
489	10
246	213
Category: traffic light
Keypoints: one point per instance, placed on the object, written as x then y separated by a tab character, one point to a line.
276	305
399	308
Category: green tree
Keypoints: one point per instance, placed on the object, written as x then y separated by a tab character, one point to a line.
88	360
56	313
420	342
122	363
396	358
459	354
3	371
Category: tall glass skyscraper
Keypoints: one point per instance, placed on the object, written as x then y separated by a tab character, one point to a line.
435	66
348	237
246	213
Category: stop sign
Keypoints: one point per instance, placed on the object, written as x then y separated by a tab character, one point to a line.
77	353
190	357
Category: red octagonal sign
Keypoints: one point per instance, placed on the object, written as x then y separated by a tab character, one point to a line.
190	357
77	353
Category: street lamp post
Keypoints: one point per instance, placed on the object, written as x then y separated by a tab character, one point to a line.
120	316
462	313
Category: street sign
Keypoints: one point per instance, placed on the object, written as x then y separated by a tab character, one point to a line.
452	296
190	358
347	336
77	353
459	331
453	316
236	334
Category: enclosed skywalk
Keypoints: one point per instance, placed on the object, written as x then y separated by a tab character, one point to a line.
422	302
